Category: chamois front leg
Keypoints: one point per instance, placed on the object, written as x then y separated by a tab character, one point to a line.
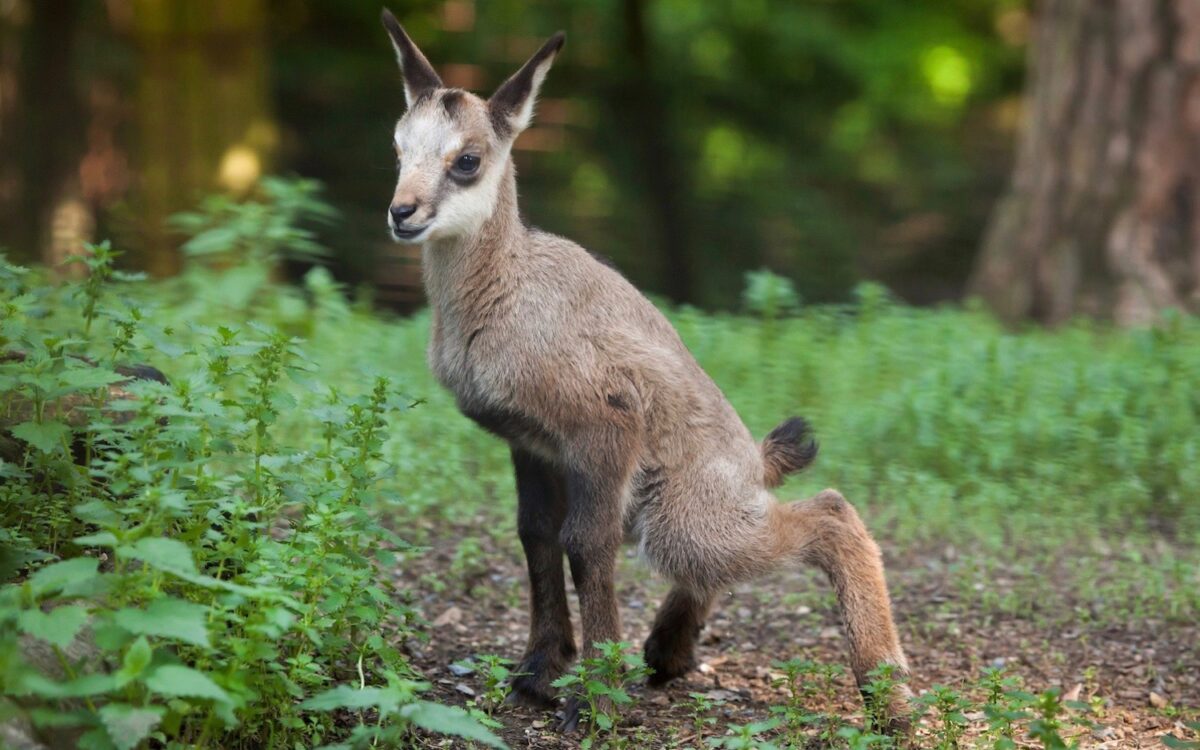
827	532
670	649
591	536
541	508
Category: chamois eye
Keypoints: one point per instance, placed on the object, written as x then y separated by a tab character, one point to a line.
467	163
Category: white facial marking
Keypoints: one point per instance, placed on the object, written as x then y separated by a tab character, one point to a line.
428	139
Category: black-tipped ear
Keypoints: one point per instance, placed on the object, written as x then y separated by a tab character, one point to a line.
511	106
419	75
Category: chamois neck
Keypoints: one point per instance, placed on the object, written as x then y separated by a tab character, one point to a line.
463	272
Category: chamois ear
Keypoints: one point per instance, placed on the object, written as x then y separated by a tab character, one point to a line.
419	75
511	107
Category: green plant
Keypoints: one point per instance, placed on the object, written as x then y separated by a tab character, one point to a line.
746	736
497	679
600	681
699	707
201	567
1047	723
1005	705
877	694
861	739
949	707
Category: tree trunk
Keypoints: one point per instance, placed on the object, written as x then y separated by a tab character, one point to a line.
662	172
203	111
1103	214
41	121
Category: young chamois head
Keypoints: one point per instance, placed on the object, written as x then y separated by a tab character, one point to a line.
452	147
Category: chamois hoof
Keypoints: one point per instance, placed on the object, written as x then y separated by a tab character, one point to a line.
531	692
667	660
569	721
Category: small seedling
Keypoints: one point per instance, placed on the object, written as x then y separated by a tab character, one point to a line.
497	680
601	682
949	707
745	737
700	706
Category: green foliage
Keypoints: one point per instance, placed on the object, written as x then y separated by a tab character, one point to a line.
700	706
202	560
806	682
601	682
746	737
497	679
769	296
948	708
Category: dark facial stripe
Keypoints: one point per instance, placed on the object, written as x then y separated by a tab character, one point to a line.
451	100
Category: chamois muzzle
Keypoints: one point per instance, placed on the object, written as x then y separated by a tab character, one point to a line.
397	215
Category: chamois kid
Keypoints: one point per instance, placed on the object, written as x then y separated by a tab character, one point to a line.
615	431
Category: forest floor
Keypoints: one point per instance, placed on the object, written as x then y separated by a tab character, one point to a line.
1138	674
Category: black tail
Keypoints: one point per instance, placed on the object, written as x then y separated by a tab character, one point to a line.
789	448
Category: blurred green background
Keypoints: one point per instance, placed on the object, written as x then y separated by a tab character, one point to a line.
827	140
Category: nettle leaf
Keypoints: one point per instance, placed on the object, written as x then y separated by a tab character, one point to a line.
168	555
95	739
35	683
449	720
168	617
99	539
344	696
45	436
185	682
97	512
58	627
89	378
59	575
137	658
128	725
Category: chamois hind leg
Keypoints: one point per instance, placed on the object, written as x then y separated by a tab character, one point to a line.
670	649
541	508
591	536
827	532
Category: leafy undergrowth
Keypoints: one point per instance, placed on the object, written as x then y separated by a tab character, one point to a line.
209	561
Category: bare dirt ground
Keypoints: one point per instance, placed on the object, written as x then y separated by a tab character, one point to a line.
1142	675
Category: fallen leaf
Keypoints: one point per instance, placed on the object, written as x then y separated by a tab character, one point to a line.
451	616
1073	693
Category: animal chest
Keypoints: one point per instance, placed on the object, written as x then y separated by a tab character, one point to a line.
485	382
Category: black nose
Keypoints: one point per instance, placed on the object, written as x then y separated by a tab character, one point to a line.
400	213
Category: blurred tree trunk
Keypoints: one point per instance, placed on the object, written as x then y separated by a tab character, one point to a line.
1103	214
661	169
203	110
41	120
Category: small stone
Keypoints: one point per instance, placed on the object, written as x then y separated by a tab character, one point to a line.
451	616
722	695
465	690
458	669
538	724
1158	701
1104	733
706	668
803	610
828	634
